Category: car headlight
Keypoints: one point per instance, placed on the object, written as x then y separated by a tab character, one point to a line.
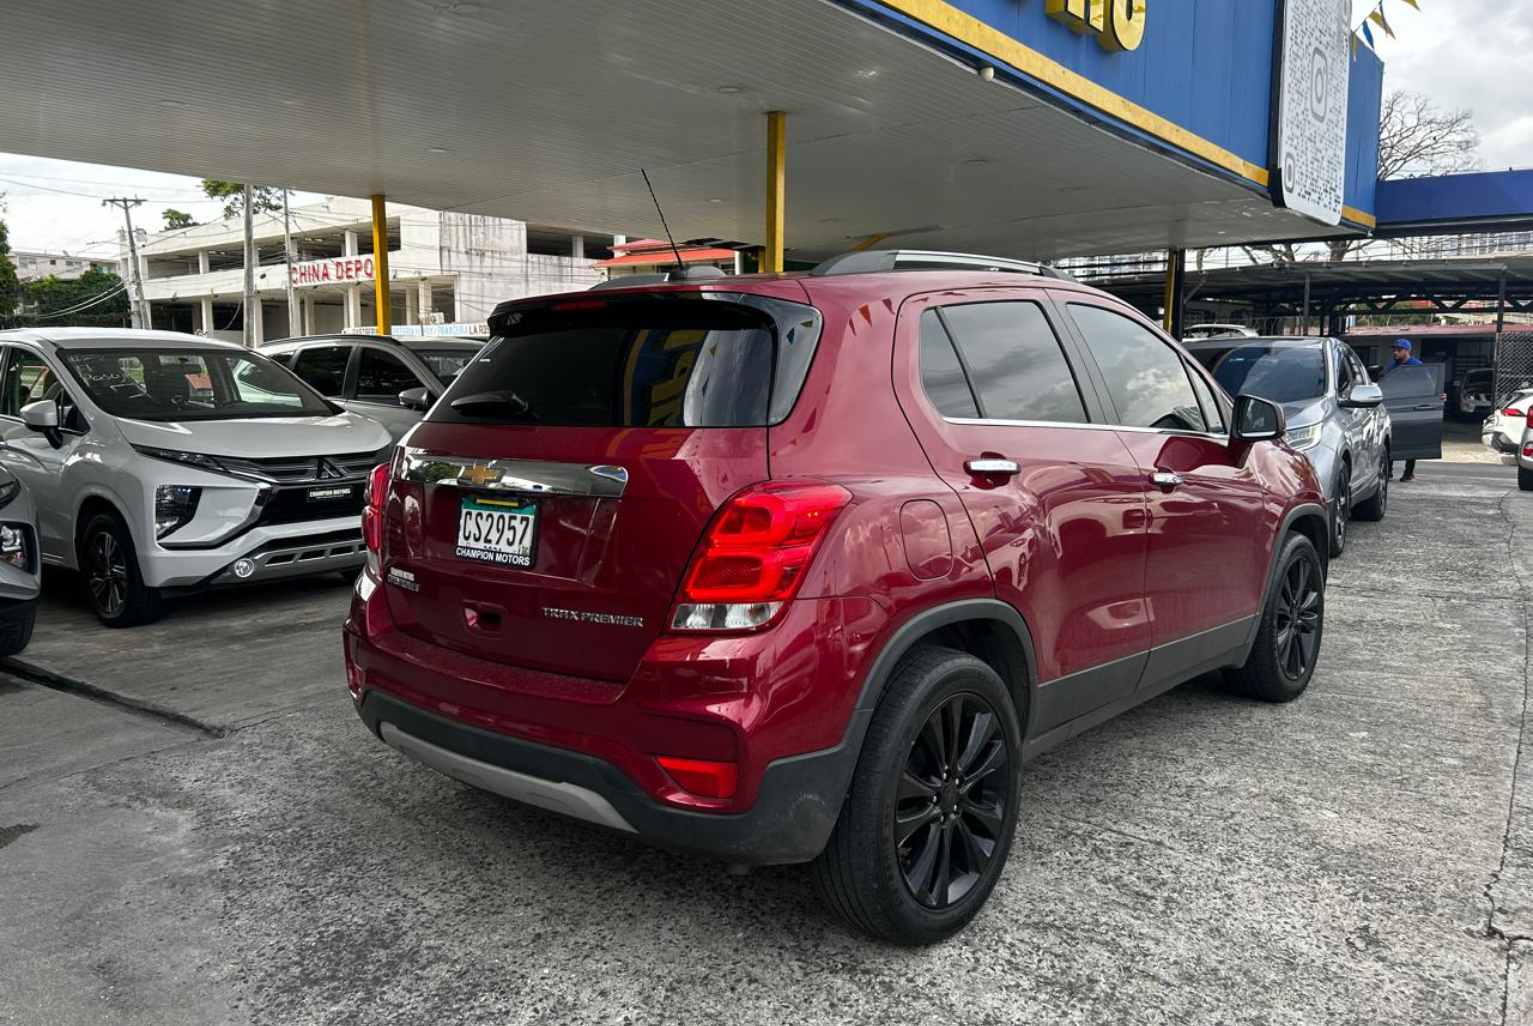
187	459
1303	437
16	546
174	507
8	491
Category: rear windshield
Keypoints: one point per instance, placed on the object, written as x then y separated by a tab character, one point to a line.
1282	374
652	361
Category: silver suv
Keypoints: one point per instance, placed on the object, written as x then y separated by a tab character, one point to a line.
1333	411
393	381
163	463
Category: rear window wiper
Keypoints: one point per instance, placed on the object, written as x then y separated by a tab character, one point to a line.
489	402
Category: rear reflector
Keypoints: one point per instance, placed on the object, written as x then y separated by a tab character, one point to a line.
702	777
372	509
1527	450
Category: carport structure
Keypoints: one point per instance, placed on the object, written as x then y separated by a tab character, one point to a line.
1027	128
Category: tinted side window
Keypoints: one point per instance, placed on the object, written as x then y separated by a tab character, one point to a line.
324	368
942	375
1213	415
1359	372
1346	376
382	376
1145	377
1015	361
29	379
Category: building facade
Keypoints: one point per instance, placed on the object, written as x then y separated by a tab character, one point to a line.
35	265
447	271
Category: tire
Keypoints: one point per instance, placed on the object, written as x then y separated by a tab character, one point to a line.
1377	505
16	631
1525	479
1341	510
114	588
1298	595
864	873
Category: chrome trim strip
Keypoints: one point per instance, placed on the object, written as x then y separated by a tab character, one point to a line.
989	422
539	477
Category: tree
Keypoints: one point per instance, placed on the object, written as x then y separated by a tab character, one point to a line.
265	199
96	298
10	286
175	219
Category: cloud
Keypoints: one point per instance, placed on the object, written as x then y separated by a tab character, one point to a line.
1470	56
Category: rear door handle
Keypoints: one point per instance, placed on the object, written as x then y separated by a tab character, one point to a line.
1425	406
991	465
1165	479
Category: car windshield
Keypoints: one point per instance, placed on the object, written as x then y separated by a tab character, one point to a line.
1282	374
191	384
446	363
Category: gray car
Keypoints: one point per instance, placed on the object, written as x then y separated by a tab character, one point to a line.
20	565
393	381
1334	413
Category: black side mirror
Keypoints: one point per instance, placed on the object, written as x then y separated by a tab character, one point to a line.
43	416
417	398
1258	419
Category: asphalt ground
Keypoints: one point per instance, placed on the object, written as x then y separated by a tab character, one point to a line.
195	829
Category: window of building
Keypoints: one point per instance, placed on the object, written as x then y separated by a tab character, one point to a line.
382	376
1015	363
1146	379
324	368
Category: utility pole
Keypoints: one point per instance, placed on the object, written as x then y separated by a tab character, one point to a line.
141	315
250	310
294	317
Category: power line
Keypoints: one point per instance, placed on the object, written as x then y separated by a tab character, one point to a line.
141	307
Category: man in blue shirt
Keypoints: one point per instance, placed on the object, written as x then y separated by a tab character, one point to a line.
1403	358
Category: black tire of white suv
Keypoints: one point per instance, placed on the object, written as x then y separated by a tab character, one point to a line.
114	587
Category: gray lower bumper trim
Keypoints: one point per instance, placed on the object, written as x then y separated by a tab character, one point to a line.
300	558
564	798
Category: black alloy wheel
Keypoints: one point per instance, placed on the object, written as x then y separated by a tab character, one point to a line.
1298	620
106	574
1341	510
953	800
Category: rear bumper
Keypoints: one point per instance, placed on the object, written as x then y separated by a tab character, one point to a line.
795	808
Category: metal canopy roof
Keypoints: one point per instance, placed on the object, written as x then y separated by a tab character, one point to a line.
1376	285
546	112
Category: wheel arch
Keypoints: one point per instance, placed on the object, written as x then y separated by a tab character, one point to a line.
1309	519
93	504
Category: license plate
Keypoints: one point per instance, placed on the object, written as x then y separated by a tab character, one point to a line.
503	531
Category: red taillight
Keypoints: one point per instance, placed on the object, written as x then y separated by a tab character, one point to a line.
372	511
1527	451
761	543
702	777
1512	411
1530	417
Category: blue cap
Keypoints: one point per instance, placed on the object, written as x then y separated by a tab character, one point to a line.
1403	343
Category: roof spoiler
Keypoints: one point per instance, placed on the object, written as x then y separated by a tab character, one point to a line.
700	272
873	260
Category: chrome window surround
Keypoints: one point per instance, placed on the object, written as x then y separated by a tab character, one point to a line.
539	477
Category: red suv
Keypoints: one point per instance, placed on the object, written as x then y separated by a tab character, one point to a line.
803	568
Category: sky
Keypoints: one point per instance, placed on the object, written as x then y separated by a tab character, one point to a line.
1470	54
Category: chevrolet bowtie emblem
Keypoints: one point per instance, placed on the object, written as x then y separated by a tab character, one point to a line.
479	474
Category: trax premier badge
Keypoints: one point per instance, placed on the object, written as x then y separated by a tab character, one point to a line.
403	579
614	619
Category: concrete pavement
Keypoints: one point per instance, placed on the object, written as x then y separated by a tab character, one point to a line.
1360	856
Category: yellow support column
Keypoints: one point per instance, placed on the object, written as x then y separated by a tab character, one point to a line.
381	267
777	137
1176	261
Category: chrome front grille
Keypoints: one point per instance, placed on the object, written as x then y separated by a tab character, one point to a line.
304	469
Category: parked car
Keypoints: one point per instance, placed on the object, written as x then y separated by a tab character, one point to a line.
164	463
20	568
1502	430
392	381
1476	394
1333	411
798	568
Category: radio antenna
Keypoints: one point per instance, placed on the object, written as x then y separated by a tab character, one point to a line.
679	266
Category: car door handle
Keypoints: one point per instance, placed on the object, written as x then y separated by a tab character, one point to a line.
1165	479
1424	406
991	465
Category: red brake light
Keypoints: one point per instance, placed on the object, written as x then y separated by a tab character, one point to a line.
578	304
1512	411
1530	417
702	777
759	546
372	511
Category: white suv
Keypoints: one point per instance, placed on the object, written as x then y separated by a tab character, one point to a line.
164	463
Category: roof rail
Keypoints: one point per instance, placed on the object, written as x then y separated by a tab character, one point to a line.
869	260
